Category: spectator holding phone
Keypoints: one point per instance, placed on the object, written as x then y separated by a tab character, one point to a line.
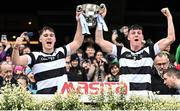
5	47
119	37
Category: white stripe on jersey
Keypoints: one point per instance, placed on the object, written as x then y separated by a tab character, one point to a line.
137	63
136	78
41	67
124	49
48	83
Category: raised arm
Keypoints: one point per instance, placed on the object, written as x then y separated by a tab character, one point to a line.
163	43
78	38
105	45
16	58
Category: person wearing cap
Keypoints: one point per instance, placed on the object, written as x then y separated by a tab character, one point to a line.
76	71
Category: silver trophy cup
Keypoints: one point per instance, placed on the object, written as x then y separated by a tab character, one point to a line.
90	12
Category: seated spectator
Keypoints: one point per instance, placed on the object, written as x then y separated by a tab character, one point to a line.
172	78
119	37
80	54
90	53
23	82
26	50
88	69
114	73
76	71
100	64
7	74
19	70
161	64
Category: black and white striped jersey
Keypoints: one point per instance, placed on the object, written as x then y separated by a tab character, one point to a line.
136	67
49	69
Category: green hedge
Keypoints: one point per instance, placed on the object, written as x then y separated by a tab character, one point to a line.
14	98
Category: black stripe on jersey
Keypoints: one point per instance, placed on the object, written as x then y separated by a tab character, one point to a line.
33	60
151	50
119	48
140	86
65	51
42	59
50	74
51	90
136	70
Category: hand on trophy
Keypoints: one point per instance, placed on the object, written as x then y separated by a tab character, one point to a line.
77	15
103	10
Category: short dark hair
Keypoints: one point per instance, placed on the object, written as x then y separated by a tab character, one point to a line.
24	77
113	65
46	28
135	27
173	71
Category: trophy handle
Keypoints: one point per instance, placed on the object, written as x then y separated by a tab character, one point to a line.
79	8
102	5
102	9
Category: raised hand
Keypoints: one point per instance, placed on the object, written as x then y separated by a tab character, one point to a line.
166	12
77	15
20	39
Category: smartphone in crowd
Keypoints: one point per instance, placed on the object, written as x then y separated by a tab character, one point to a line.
114	31
29	34
3	37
